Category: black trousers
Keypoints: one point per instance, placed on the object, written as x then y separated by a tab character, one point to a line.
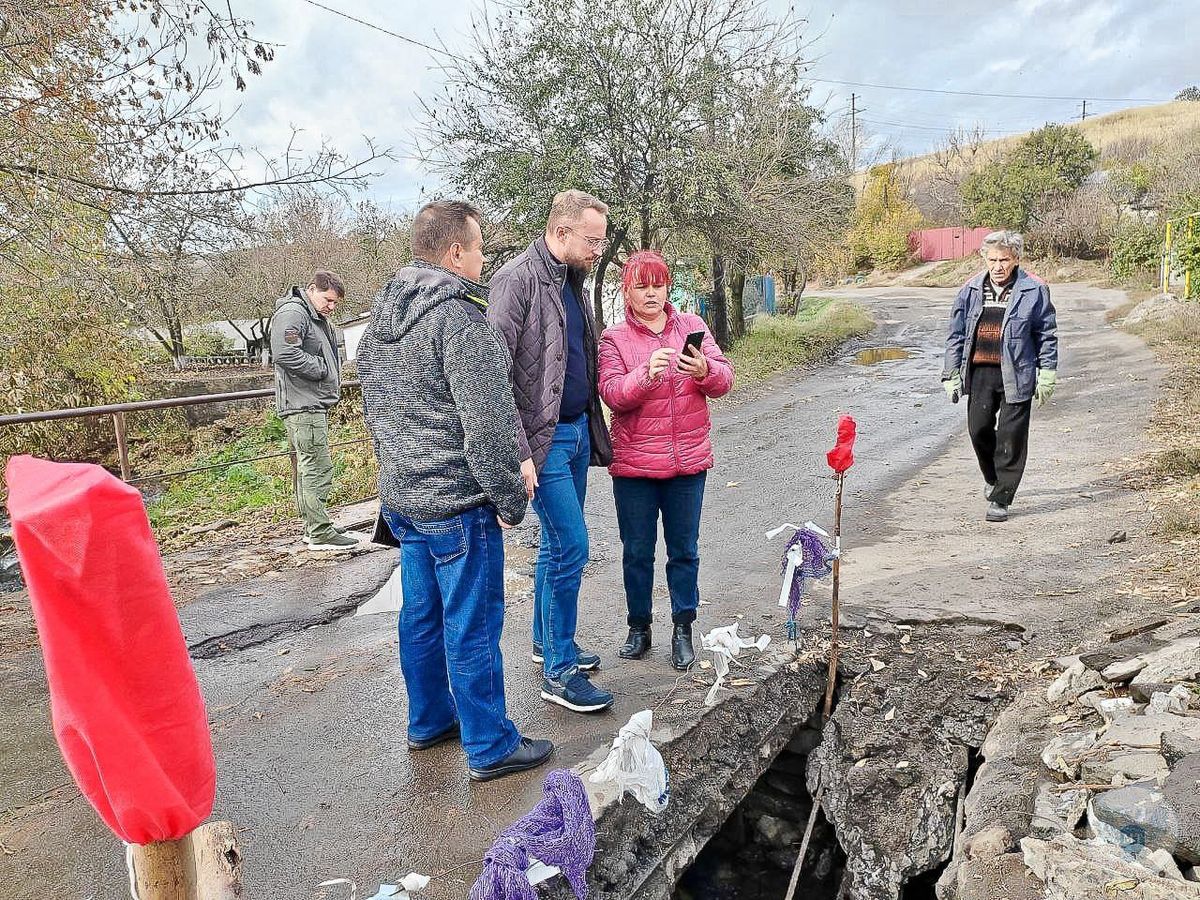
999	432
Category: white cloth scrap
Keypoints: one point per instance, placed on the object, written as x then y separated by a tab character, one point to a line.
725	644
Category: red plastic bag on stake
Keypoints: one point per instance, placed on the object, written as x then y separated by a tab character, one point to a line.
124	699
841	457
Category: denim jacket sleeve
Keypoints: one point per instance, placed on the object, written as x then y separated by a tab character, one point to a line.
957	336
1045	331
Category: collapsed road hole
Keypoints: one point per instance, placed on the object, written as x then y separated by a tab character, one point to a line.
752	856
924	886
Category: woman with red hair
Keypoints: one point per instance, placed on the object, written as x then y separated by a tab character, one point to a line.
657	385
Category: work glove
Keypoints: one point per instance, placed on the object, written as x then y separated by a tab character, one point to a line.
1045	386
953	386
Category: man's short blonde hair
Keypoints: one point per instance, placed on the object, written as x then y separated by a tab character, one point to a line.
569	206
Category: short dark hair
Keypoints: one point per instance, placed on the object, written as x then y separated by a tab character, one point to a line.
438	225
328	281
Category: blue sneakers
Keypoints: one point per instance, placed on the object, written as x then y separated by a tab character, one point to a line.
576	693
585	662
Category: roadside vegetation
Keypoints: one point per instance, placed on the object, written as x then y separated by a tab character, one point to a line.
774	344
1171	474
232	483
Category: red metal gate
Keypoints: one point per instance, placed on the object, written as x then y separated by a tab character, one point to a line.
932	244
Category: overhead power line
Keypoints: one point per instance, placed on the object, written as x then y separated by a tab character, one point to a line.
395	34
942	129
922	90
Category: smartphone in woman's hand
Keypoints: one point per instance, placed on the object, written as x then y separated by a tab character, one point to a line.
693	342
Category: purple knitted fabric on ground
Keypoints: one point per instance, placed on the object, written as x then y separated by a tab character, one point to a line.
559	831
815	559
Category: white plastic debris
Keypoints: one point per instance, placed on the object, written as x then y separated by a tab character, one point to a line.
635	765
1176	700
725	644
1110	708
410	884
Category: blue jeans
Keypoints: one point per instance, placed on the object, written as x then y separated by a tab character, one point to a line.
452	575
639	502
558	502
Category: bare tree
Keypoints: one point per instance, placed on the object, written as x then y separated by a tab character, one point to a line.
938	188
553	96
106	124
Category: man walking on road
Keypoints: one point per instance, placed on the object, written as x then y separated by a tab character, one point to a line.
1002	354
308	383
538	305
435	383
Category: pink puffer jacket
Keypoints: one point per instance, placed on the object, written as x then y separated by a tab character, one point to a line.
659	426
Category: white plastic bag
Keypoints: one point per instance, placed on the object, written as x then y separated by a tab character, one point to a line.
725	644
635	765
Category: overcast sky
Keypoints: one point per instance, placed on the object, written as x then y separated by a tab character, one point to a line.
343	80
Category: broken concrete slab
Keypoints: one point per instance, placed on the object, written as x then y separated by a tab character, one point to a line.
1177	700
1177	661
1073	870
1136	816
990	842
1109	708
1001	876
1129	748
1123	670
1105	656
1057	812
1073	683
1175	747
1064	752
1181	793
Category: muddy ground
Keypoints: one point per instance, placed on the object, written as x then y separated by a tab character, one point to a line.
307	705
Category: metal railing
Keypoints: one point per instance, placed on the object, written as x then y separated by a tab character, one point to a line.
117	411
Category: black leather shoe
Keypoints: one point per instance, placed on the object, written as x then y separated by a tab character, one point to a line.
529	755
683	654
448	735
637	644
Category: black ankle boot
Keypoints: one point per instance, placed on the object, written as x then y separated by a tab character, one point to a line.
683	654
637	644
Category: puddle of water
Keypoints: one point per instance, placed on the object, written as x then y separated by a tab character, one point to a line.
873	356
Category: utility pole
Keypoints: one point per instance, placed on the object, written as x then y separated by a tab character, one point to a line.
1083	116
853	133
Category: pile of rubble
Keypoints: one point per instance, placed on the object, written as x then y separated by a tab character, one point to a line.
1102	800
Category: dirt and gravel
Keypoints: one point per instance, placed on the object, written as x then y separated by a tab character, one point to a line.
946	617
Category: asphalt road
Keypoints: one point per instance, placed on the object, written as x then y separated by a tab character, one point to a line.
308	715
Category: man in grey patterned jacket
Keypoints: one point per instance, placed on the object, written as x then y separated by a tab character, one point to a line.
435	383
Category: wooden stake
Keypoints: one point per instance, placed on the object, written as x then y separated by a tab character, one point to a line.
205	865
834	611
808	830
829	683
158	871
215	862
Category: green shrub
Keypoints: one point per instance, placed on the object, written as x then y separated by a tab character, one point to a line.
1135	251
206	342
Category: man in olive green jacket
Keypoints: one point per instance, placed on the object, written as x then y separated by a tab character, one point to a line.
307	385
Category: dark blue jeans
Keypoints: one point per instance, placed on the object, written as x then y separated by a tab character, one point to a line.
639	502
558	502
452	575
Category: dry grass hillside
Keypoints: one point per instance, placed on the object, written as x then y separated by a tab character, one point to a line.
1110	134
